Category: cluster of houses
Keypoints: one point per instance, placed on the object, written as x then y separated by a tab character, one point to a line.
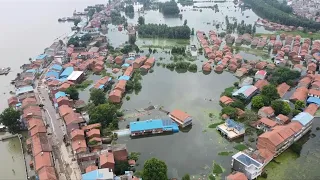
129	65
272	26
308	9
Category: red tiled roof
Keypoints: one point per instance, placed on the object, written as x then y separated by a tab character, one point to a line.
237	176
77	133
311	109
268	122
226	100
40	144
314	92
267	109
282	89
106	158
47	173
93	132
91	126
180	115
261	83
43	159
64	110
300	94
91	168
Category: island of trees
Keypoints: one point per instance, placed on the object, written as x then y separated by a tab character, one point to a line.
164	31
276	12
169	8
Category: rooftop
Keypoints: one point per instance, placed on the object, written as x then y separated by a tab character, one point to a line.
153	124
245	90
246	160
304	118
24	89
60	94
180	115
105	174
66	72
74	75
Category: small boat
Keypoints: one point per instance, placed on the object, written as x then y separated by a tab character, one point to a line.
5	71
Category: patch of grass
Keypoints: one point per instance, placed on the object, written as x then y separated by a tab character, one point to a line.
257	52
84	84
240	147
225	153
214	125
217	169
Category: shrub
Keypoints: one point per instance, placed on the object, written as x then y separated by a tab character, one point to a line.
128	98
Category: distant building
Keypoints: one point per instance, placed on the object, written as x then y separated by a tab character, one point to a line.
266	112
266	124
261	74
247	91
154	126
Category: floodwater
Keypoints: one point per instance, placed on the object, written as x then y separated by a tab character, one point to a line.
27	28
12	159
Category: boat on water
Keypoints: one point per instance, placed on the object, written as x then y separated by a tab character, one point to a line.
4	71
62	19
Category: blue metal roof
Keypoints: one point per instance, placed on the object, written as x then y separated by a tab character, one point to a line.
98	174
232	124
304	118
31	71
60	94
41	57
56	67
247	160
101	86
24	89
245	90
130	58
125	65
313	100
66	72
124	78
52	73
153	124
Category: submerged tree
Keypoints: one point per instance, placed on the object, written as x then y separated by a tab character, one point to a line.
11	119
97	96
154	169
73	93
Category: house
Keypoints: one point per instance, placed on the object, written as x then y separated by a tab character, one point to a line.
282	119
115	96
226	100
63	87
78	143
91	168
301	94
266	124
266	112
129	71
314	93
247	165
181	118
261	65
72	121
139	62
206	67
236	176
261	74
279	138
120	152
305	82
93	133
261	83
231	129
102	83
103	174
46	173
12	101
43	159
40	144
63	101
121	85
312	67
106	161
304	118
31	101
241	72
282	89
64	110
150	61
311	109
76	76
246	91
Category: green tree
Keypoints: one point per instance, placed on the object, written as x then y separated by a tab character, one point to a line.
11	119
169	8
192	31
295	112
150	50
76	22
257	102
132	40
284	74
299	105
249	117
185	22
141	20
73	93
280	107
103	113
230	111
97	96
271	92
154	169
120	167
186	177
238	104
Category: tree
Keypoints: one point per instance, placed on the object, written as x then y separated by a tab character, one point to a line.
257	102
230	111
270	91
169	8
295	112
237	104
11	119
132	40
76	22
164	31
280	107
150	50
73	93
249	117
120	167
97	96
154	169
185	22
186	177
141	20
284	74
299	105
103	113
192	31
129	9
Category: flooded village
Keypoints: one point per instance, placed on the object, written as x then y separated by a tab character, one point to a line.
202	90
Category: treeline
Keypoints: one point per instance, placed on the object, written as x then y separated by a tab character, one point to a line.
178	50
281	6
241	28
273	14
169	8
164	31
